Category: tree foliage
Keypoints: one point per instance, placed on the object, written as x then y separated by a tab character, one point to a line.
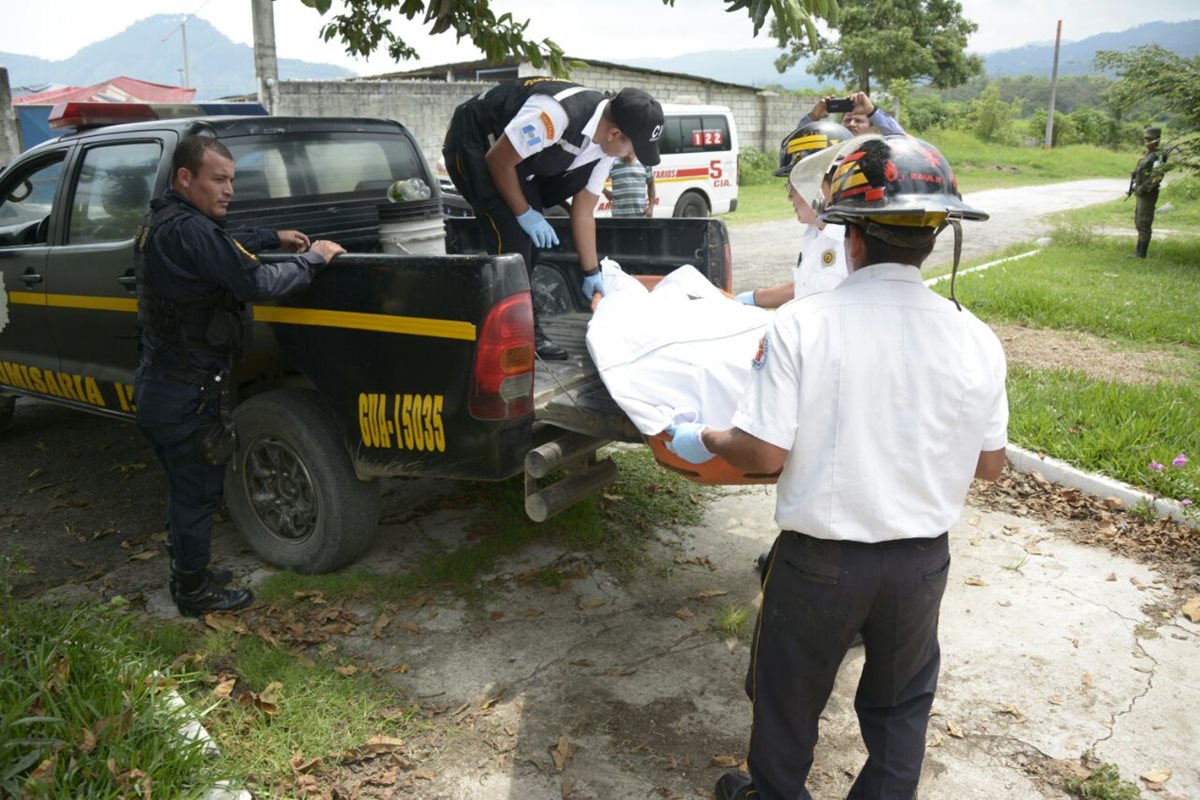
366	25
1172	81
886	40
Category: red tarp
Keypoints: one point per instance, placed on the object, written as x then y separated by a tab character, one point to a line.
115	90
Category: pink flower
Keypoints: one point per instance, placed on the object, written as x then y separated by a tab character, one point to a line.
1185	502
1157	467
1179	460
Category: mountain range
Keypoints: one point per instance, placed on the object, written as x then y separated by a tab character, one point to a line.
151	50
756	67
218	66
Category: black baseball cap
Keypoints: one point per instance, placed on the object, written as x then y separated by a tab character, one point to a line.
640	117
1153	134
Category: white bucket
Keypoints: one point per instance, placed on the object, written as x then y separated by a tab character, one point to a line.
416	237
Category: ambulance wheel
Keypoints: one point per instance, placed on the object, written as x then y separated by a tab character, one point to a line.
692	204
291	489
8	405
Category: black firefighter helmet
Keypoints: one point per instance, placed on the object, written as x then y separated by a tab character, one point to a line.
810	138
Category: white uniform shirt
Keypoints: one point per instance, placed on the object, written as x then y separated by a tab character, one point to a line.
884	393
822	260
541	122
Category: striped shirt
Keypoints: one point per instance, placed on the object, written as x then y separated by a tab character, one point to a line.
629	188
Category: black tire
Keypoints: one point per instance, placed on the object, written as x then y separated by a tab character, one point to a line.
292	491
691	204
8	405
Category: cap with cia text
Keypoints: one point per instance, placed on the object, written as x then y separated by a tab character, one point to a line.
640	117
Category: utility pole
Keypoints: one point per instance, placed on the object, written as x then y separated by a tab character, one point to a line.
266	67
187	72
1053	89
10	132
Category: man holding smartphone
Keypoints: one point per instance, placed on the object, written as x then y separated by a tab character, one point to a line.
859	114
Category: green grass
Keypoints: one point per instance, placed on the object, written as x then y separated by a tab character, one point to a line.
763	202
732	621
1083	283
980	165
83	710
1103	784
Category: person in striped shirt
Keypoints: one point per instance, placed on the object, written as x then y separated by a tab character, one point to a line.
632	193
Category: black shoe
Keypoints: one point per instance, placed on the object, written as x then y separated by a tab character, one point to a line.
548	350
761	563
734	785
196	593
218	576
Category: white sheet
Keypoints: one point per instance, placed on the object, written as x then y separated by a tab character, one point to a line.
679	353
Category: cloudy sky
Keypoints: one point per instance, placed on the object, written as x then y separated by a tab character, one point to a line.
628	29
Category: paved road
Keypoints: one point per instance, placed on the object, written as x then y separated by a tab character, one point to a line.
763	252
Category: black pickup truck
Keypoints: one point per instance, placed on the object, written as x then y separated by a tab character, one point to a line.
387	365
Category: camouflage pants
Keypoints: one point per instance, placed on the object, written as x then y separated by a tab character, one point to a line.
1143	219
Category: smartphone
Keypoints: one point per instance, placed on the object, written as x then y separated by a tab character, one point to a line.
839	104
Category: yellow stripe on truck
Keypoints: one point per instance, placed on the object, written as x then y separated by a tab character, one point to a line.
354	320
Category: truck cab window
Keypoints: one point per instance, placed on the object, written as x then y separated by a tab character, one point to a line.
115	186
26	200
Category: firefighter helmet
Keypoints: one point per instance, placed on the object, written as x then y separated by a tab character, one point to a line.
895	180
810	138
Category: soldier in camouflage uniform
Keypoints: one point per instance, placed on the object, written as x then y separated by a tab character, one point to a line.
1143	182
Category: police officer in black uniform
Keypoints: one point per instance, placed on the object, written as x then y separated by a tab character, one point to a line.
1144	183
531	143
194	279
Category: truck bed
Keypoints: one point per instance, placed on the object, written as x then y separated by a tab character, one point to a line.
569	394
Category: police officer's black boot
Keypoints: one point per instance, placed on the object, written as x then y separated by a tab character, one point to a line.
1143	247
546	349
196	593
219	576
733	785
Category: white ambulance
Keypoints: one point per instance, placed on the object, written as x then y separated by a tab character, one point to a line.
698	172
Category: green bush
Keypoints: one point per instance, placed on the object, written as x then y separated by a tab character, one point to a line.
755	166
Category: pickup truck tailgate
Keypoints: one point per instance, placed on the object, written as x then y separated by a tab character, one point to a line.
569	394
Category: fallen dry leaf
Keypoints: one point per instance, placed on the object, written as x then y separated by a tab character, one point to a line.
1012	711
1191	609
724	761
1112	576
381	622
954	730
530	612
224	687
684	613
1086	683
592	602
383	744
302	764
349	670
144	555
562	752
935	740
973	581
708	593
1158	776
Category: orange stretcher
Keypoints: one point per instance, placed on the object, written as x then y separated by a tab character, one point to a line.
715	471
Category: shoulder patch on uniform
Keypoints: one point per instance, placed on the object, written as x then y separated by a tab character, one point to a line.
760	357
828	257
530	134
548	124
249	259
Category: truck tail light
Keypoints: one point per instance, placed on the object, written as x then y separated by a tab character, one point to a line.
502	385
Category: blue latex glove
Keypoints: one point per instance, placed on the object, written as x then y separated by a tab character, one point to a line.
593	283
746	298
534	224
686	443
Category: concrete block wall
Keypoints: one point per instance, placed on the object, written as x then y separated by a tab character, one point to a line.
425	107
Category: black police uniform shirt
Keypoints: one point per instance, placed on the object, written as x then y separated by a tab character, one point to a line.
192	255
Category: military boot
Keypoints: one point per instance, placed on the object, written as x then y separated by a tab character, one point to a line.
196	593
219	576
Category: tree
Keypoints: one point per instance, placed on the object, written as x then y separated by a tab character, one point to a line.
918	40
365	26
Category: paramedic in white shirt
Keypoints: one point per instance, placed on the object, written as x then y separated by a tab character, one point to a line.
822	262
532	143
880	400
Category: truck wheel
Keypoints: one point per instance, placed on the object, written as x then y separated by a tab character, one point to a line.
691	204
8	405
292	491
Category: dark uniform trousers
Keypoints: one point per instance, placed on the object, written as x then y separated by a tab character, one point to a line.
818	593
1143	220
168	416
